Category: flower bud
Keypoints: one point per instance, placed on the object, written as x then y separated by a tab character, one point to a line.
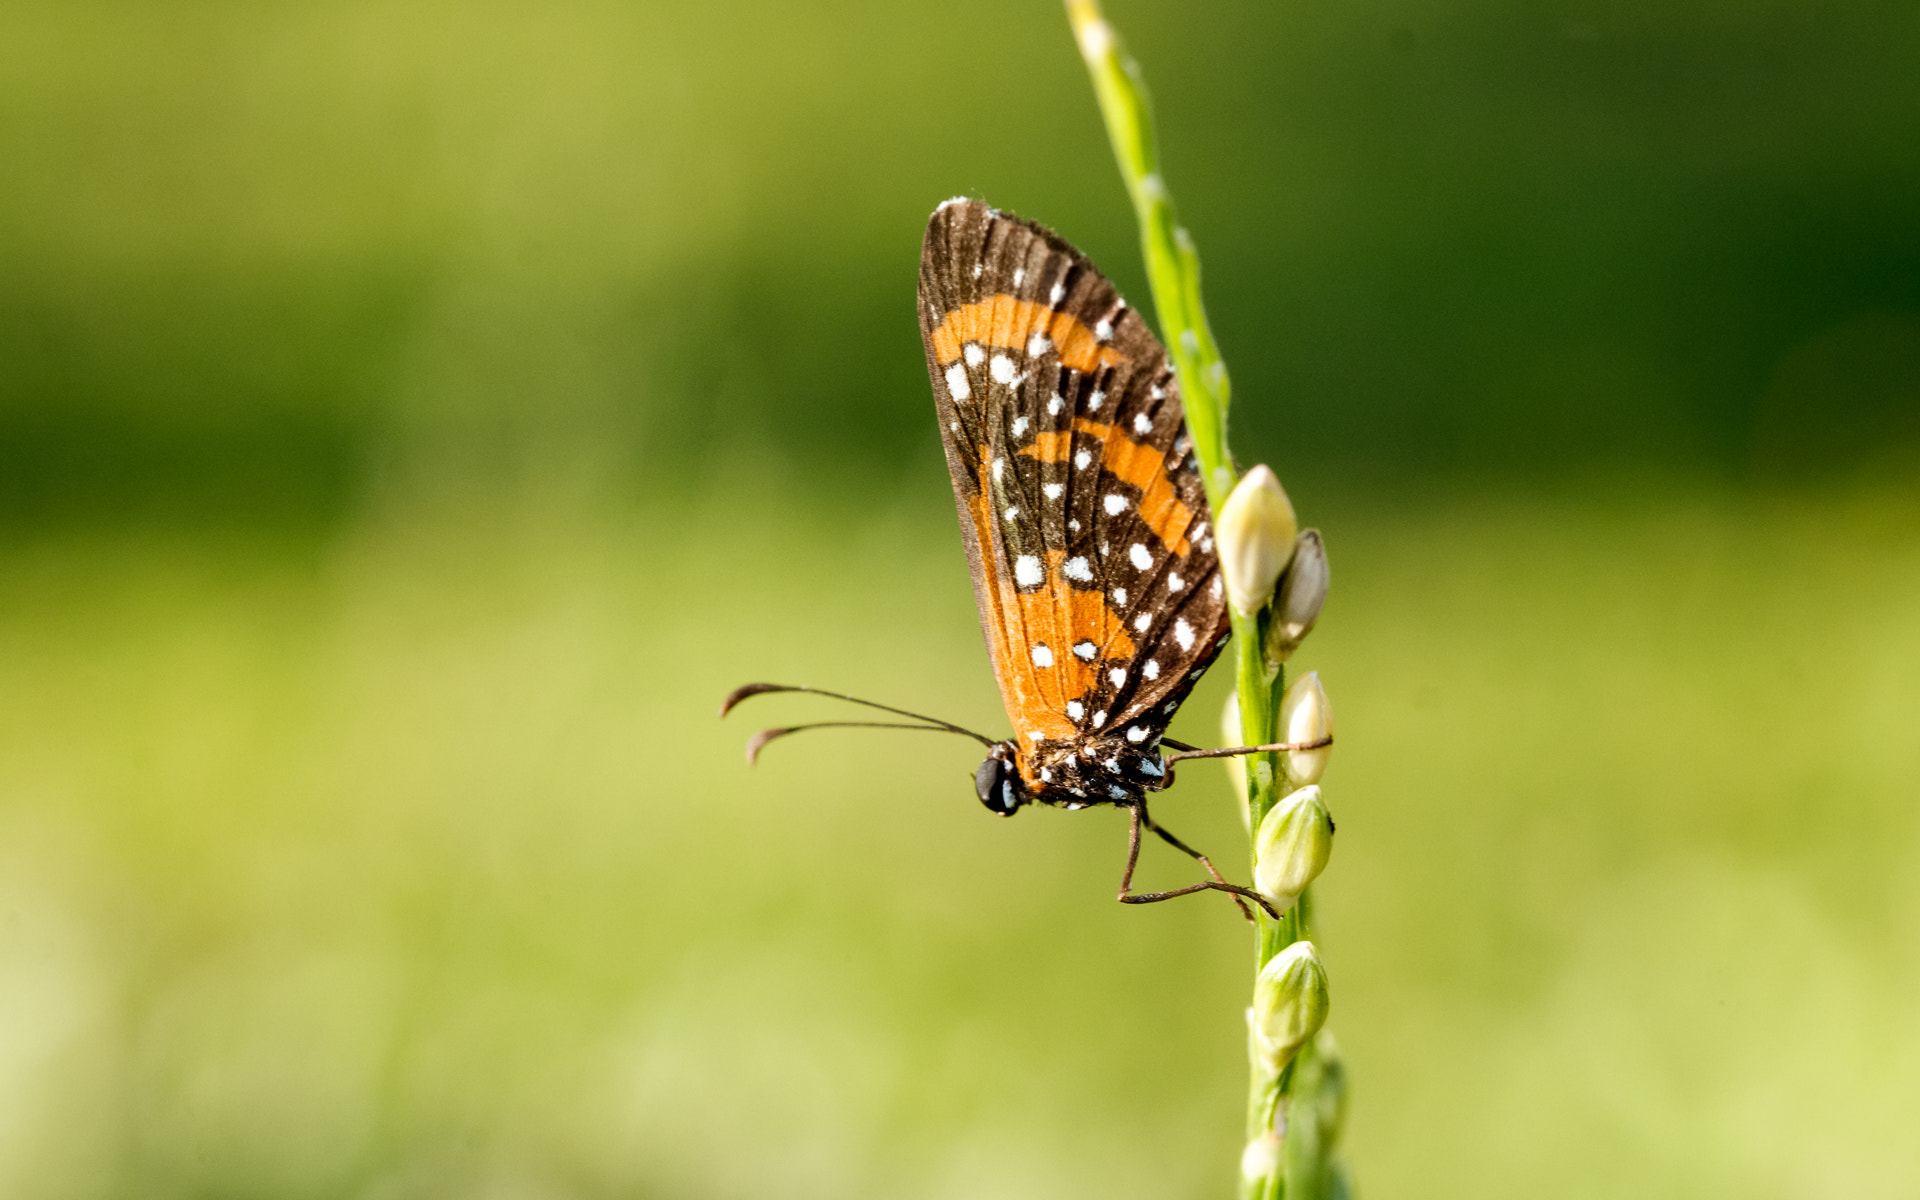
1236	765
1256	529
1296	604
1289	1003
1261	1158
1330	1089
1295	841
1306	717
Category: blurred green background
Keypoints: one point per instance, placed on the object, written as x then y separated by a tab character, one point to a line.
415	416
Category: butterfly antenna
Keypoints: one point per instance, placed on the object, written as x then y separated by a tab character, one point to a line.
761	689
759	740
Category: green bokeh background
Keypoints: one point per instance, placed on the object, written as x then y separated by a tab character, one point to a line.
415	416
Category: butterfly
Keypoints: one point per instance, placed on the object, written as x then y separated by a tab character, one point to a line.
1085	524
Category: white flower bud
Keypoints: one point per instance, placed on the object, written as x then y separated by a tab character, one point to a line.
1295	841
1306	717
1289	1003
1296	605
1261	1158
1236	766
1255	531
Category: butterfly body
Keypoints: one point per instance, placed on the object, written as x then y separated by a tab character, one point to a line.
1080	505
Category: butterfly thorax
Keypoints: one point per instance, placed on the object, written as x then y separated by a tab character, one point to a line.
1098	769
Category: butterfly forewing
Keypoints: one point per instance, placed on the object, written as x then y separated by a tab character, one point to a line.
1080	501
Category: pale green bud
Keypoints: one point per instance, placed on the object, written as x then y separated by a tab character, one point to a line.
1306	717
1296	605
1330	1089
1289	1003
1295	841
1255	531
1261	1158
1236	765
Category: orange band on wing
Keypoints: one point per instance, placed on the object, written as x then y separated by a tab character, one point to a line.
1056	616
1008	321
1132	462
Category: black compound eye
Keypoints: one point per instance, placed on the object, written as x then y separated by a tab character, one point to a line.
998	786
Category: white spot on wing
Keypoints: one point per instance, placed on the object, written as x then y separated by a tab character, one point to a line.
1157	392
1141	622
1118	676
1019	275
1073	526
1215	589
1052	490
1174	582
1152	669
957	385
975	355
1100	718
1116	504
1095	401
1081	459
1077	568
1104	330
1076	710
1026	570
1183	633
1142	423
1137	734
1001	368
1019	426
1120	596
1054	406
999	468
1013	514
1038	345
1137	554
1085	650
1042	654
1058	293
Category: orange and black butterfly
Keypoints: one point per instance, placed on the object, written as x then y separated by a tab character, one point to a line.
1084	519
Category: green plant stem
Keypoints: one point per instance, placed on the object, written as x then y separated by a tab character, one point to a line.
1173	271
1173	265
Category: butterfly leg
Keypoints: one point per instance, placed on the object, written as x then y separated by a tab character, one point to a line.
1138	811
1166	835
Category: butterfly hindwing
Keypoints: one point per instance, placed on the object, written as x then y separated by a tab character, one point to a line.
1080	501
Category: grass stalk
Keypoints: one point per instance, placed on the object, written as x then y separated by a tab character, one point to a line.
1299	1169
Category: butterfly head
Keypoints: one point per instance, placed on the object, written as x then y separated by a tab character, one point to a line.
998	782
